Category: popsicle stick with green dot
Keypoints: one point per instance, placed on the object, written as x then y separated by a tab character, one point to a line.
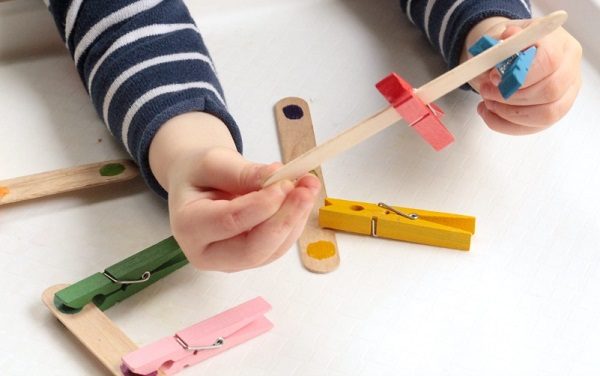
317	246
66	180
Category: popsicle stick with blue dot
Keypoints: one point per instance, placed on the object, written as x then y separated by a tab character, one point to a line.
317	246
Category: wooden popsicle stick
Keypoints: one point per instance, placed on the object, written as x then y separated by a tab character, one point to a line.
313	158
427	93
105	340
317	246
66	180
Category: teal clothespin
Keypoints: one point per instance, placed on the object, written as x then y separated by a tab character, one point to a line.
513	70
122	279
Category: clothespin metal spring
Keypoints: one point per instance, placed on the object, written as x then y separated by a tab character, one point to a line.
219	342
411	216
145	277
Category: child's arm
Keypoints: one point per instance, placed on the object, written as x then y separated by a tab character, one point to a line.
553	81
153	83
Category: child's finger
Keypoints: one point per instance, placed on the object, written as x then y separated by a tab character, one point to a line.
500	125
548	90
541	115
221	219
309	182
283	226
547	57
291	239
227	170
257	246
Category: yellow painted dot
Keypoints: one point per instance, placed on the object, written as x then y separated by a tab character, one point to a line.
3	191
321	250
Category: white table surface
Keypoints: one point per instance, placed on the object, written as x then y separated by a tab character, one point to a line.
524	301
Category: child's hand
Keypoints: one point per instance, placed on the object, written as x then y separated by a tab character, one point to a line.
220	215
222	218
549	91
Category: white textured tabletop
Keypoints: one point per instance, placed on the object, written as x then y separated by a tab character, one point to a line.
524	301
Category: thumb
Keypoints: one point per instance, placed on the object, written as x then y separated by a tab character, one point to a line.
511	28
226	170
542	65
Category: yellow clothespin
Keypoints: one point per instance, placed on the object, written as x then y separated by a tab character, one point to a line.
412	225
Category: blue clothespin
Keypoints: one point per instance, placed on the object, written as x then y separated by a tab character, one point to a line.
513	70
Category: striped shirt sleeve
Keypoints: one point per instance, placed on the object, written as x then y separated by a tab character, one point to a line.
142	62
446	23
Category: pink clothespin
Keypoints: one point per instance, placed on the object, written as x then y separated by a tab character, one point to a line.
200	341
425	119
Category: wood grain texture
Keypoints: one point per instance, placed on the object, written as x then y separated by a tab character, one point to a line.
105	340
427	93
63	180
296	136
313	158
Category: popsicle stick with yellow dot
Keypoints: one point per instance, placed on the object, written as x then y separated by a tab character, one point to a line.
317	246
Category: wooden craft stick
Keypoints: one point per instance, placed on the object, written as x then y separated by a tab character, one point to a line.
317	246
66	180
105	340
427	93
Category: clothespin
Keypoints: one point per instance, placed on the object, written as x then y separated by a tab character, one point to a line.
200	341
428	93
512	70
425	119
412	225
122	279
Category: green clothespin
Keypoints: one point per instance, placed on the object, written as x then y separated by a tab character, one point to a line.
123	279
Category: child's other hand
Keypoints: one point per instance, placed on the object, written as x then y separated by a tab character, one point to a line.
549	91
222	218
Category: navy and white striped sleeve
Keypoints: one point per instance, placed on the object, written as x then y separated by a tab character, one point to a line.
142	62
446	23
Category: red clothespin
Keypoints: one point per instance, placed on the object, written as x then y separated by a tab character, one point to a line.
200	341
425	119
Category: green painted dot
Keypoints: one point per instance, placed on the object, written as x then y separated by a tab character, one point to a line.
112	169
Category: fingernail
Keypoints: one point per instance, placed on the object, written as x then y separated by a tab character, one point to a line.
315	189
267	170
286	186
480	108
495	78
484	90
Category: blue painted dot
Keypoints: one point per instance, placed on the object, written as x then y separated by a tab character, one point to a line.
293	112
